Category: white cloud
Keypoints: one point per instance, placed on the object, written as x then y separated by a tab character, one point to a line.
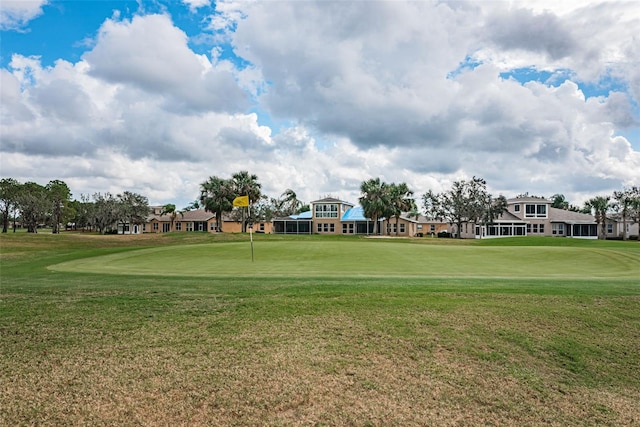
349	91
15	14
195	4
152	54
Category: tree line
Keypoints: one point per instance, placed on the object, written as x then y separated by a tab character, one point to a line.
35	205
466	201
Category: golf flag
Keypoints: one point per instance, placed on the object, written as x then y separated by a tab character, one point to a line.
241	201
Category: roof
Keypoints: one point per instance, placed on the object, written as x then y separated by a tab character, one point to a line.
194	215
526	199
562	215
420	219
332	200
356	213
508	217
302	216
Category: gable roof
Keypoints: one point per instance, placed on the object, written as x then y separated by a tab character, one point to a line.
332	200
570	217
509	217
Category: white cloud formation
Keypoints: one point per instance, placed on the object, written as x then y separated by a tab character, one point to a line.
195	4
15	14
333	93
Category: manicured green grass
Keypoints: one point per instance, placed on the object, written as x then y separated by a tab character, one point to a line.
366	258
196	338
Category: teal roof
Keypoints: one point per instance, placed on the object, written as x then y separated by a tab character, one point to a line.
302	215
354	214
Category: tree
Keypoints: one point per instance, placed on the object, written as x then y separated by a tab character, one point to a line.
82	212
466	201
134	209
106	211
559	201
246	184
58	194
374	200
33	205
494	208
216	196
625	201
599	206
8	200
400	200
291	204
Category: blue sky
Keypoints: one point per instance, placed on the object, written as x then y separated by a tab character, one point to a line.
156	96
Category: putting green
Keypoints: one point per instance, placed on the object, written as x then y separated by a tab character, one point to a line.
364	259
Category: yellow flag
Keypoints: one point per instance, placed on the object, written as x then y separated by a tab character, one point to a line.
241	201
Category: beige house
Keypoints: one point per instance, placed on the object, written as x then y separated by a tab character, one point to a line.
196	220
534	216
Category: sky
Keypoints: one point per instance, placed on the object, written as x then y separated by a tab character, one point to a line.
153	97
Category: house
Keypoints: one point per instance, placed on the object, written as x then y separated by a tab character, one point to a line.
615	227
534	216
327	216
196	220
333	216
409	225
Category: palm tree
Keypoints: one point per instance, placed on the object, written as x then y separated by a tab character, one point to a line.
599	206
216	196
290	202
246	184
374	200
401	200
170	209
625	205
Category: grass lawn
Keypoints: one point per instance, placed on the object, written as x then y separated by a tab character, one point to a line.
183	329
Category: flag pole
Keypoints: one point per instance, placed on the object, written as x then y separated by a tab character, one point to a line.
251	231
244	202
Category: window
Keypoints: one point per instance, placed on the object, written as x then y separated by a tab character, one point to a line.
541	211
261	226
541	228
155	226
212	226
189	226
528	228
326	211
609	228
319	228
535	211
332	228
535	228
166	227
557	229
402	228
178	226
144	227
530	211
516	208
432	228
